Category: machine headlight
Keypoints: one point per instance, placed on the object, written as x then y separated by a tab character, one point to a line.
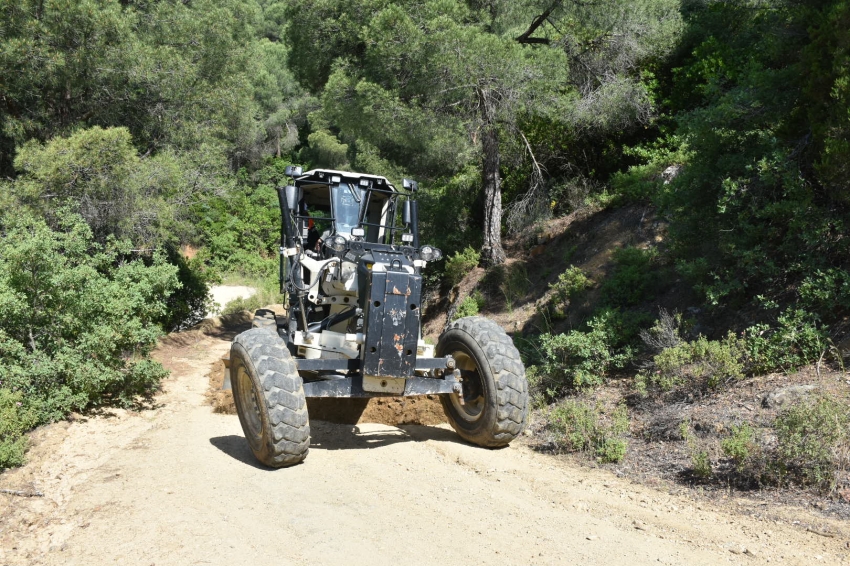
429	253
358	232
337	243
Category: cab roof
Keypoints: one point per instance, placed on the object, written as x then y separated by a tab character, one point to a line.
321	175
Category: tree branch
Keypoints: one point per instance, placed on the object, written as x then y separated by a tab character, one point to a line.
526	38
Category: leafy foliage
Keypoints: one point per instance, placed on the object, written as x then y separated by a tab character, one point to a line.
794	342
632	278
470	305
77	322
814	441
697	365
581	358
582	426
460	264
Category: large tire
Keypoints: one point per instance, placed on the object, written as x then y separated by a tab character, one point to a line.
264	318
269	397
495	392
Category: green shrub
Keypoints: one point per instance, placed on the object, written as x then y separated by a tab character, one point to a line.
579	426
632	278
460	264
581	359
189	303
470	306
15	420
77	320
699	364
741	447
700	460
795	341
814	441
826	292
570	284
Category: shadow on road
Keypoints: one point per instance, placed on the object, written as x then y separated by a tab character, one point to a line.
330	436
237	448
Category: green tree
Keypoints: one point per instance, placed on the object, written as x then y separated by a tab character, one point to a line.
98	174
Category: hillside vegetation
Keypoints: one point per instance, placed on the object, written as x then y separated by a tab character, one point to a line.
131	130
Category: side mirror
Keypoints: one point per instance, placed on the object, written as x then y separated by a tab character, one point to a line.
410	185
406	214
293	170
291	197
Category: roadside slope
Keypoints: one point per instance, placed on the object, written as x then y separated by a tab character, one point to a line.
177	485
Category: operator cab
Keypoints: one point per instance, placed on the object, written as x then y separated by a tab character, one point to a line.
338	203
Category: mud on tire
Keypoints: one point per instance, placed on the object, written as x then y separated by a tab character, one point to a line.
495	391
269	397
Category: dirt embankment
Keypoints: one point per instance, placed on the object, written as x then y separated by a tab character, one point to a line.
176	484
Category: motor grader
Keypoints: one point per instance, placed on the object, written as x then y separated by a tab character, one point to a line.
351	271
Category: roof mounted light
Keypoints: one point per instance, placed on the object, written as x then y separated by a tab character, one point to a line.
364	182
336	179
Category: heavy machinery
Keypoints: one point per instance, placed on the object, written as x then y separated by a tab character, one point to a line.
350	269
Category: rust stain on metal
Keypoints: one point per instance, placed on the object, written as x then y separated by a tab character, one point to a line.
395	291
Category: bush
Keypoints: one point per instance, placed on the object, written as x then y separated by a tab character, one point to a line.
814	441
470	306
582	427
699	364
15	420
795	341
570	284
741	447
700	460
460	264
632	278
189	303
580	359
826	292
77	321
664	333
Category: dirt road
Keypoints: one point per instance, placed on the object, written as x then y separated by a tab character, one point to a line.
177	485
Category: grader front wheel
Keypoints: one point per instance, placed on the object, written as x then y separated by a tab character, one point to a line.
269	397
494	405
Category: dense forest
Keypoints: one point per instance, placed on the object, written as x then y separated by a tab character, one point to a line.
133	130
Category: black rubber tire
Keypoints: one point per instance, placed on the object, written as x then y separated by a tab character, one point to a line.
264	318
495	388
269	398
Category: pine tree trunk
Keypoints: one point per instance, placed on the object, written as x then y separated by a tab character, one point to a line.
492	252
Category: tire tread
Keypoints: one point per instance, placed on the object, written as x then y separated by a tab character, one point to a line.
283	390
509	376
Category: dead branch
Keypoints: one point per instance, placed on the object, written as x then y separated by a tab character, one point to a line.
22	493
